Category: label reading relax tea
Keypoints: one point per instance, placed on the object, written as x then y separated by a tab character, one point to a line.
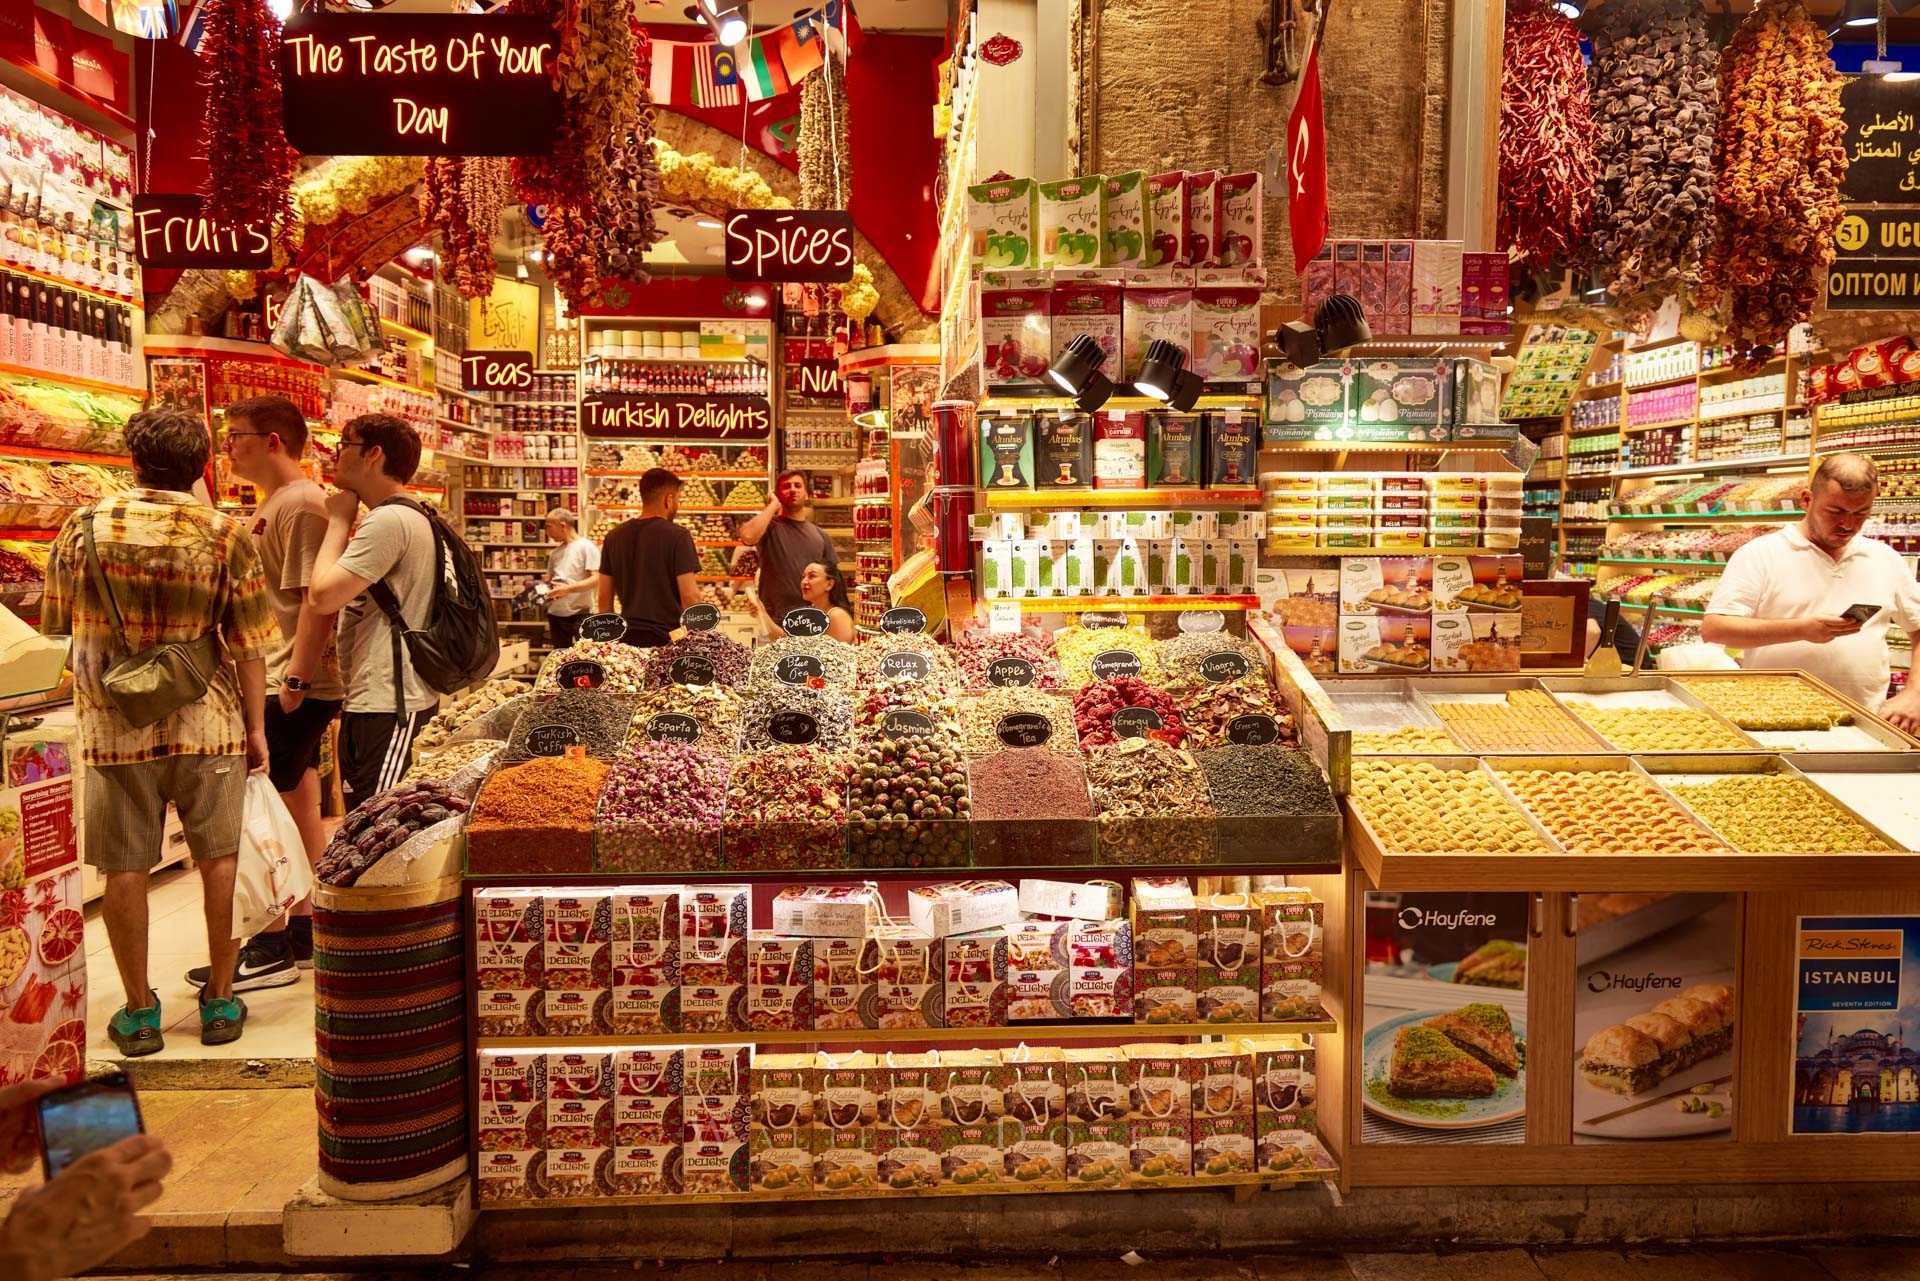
904	664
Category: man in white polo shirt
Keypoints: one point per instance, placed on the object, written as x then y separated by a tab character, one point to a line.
1784	596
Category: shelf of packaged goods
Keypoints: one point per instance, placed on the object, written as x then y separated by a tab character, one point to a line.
548	546
691	511
1249	401
1612	388
1015	1032
516	489
1280	1179
1632	609
1727	414
1634	429
381	380
34	273
68	380
458	425
1125	604
1674	381
461	394
1600	429
690	475
1384	446
405	331
1707	518
1687	564
65	455
743	361
535	404
1717	465
1035	498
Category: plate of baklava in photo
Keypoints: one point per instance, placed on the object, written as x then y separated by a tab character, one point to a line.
1664	1072
1446	1069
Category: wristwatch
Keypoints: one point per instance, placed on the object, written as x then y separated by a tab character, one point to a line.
294	683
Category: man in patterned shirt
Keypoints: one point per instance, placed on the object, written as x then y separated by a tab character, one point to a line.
177	570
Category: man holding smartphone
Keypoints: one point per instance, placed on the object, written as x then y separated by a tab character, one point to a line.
1818	597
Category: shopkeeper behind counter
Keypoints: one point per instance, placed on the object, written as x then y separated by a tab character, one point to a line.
650	562
787	543
1784	597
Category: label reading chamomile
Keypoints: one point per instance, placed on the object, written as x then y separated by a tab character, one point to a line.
1102	618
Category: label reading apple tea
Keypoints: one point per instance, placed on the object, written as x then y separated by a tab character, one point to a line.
1003	673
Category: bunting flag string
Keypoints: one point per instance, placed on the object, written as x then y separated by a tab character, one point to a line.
768	65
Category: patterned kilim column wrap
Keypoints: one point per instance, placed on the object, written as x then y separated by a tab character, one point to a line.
390	1011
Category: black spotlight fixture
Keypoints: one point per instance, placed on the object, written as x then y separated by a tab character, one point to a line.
1164	376
1077	372
1338	323
1855	13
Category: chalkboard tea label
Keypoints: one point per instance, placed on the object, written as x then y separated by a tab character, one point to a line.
700	618
903	620
901	724
1024	729
1253	731
904	664
805	621
795	729
1225	666
673	727
603	627
552	740
1102	618
1003	673
581	673
1135	722
691	669
1110	663
799	669
1200	622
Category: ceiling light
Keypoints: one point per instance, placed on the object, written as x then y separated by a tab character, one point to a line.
282	9
1856	13
711	224
418	256
520	271
1164	376
727	19
1077	372
1339	323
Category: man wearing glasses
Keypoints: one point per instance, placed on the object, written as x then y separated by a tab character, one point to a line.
265	438
387	703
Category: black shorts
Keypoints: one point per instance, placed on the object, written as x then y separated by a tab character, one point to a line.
563	629
293	739
372	755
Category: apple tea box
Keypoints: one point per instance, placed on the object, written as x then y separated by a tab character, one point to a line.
1003	218
1199	201
1237	220
1169	219
1016	336
1127	229
1073	215
1226	333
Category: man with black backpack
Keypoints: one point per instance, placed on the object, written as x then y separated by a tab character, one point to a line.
401	564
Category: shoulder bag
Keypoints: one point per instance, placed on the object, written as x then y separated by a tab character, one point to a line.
152	685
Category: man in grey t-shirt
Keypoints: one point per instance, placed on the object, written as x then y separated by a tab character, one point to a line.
392	543
787	544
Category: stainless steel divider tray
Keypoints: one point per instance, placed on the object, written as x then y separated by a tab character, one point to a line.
1466	689
1865	723
1373	704
1558	685
1889	796
1676	767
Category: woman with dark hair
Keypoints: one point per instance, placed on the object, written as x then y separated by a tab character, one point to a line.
826	590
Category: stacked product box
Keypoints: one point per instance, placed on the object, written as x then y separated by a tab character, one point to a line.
1381	399
1448	613
1132	553
1118	449
1412	286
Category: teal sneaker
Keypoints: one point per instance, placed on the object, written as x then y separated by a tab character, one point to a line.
222	1018
137	1032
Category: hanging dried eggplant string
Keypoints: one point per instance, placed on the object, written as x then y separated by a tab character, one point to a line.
823	138
249	162
1547	164
1656	99
461	200
633	181
1780	157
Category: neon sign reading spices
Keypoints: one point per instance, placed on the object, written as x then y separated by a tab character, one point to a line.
419	84
811	246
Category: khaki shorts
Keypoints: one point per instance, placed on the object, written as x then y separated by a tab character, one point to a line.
126	809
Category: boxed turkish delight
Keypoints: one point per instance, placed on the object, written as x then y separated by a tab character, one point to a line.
962	907
976	979
826	911
647	1105
779	983
906	979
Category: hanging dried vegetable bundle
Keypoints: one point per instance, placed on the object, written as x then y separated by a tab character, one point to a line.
1547	162
461	199
1656	97
632	193
826	161
1781	157
249	162
594	71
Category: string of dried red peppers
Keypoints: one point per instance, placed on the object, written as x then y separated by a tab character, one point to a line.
1547	162
249	162
1780	158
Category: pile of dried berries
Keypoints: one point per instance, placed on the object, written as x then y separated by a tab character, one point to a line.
661	809
787	810
1126	707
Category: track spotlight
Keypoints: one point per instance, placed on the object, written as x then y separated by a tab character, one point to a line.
1338	323
1077	372
1164	376
727	19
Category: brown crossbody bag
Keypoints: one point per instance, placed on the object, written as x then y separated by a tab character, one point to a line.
152	685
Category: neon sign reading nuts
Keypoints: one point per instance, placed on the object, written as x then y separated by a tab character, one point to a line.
790	245
419	84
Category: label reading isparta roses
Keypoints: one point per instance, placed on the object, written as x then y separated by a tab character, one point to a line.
673	727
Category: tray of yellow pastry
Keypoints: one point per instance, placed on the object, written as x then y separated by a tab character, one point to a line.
1790	711
1765	805
1648	714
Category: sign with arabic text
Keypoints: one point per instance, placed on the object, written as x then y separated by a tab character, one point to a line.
1882	140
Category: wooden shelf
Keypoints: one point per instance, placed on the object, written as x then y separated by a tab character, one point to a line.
368	376
1034	498
405	331
1707	518
1240	1181
1126	604
1015	1032
67	380
66	455
1718	465
1004	403
1658	383
48	278
1635	429
1383	446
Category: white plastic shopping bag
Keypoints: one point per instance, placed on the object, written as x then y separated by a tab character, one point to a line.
272	874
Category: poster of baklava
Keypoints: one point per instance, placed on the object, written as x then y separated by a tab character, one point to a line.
1444	1056
1857	1007
1653	1017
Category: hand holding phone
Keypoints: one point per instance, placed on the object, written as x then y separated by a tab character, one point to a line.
85	1118
1861	613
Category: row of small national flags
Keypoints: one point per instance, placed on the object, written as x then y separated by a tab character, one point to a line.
768	65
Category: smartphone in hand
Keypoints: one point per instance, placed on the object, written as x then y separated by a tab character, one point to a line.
1860	613
86	1117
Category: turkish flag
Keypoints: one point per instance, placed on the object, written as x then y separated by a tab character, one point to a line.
1307	165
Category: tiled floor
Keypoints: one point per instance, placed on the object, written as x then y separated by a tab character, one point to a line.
279	1020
